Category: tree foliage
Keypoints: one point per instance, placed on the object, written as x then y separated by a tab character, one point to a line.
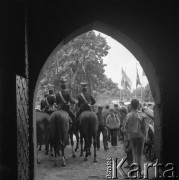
146	93
80	60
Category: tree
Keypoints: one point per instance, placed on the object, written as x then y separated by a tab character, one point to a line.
80	60
148	95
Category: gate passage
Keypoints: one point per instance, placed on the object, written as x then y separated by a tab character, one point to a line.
22	128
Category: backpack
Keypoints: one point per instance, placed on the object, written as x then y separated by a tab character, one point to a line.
134	124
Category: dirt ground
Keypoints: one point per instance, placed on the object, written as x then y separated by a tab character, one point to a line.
78	169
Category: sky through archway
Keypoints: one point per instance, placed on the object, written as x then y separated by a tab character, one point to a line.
120	57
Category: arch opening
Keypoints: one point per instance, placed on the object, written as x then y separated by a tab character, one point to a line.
139	55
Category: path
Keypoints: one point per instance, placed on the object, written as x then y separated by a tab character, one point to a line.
77	168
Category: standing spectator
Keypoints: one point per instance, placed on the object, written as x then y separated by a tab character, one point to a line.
101	129
105	114
136	129
119	134
127	145
113	123
116	106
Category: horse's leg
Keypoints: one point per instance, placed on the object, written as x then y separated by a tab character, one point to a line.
77	140
72	144
47	141
81	142
40	145
87	146
94	145
63	156
51	147
38	160
90	142
84	148
56	150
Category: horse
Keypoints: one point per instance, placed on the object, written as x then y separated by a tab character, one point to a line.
88	130
74	131
58	129
49	110
41	126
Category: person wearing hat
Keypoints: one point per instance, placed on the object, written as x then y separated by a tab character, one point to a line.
43	103
50	101
85	99
64	99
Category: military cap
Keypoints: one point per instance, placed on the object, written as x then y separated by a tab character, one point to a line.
100	107
50	91
83	84
63	80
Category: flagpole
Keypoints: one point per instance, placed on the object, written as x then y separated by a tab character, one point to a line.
141	90
121	87
125	86
136	83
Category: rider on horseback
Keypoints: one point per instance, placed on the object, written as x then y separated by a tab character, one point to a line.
63	99
85	100
43	103
50	101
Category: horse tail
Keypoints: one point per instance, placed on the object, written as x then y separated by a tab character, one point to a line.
58	129
93	122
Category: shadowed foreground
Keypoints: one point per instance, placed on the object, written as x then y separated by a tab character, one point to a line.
77	168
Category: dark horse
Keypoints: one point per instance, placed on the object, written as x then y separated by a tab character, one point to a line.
88	130
41	127
58	129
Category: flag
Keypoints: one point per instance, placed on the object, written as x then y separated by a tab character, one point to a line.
137	79
125	80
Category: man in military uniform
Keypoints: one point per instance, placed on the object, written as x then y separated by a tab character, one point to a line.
63	99
50	100
43	103
85	99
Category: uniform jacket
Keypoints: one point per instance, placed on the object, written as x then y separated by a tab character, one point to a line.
66	95
43	104
88	97
50	99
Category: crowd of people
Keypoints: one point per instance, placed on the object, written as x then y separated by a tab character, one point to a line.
127	124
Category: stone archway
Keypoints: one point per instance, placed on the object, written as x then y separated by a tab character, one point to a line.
140	56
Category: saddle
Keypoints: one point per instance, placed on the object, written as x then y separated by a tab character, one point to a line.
65	107
86	107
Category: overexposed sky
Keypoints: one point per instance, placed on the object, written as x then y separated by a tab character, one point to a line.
120	57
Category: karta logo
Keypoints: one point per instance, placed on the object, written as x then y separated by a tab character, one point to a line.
114	169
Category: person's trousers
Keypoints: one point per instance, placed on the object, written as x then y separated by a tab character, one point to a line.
102	129
137	147
128	151
113	137
108	134
120	134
